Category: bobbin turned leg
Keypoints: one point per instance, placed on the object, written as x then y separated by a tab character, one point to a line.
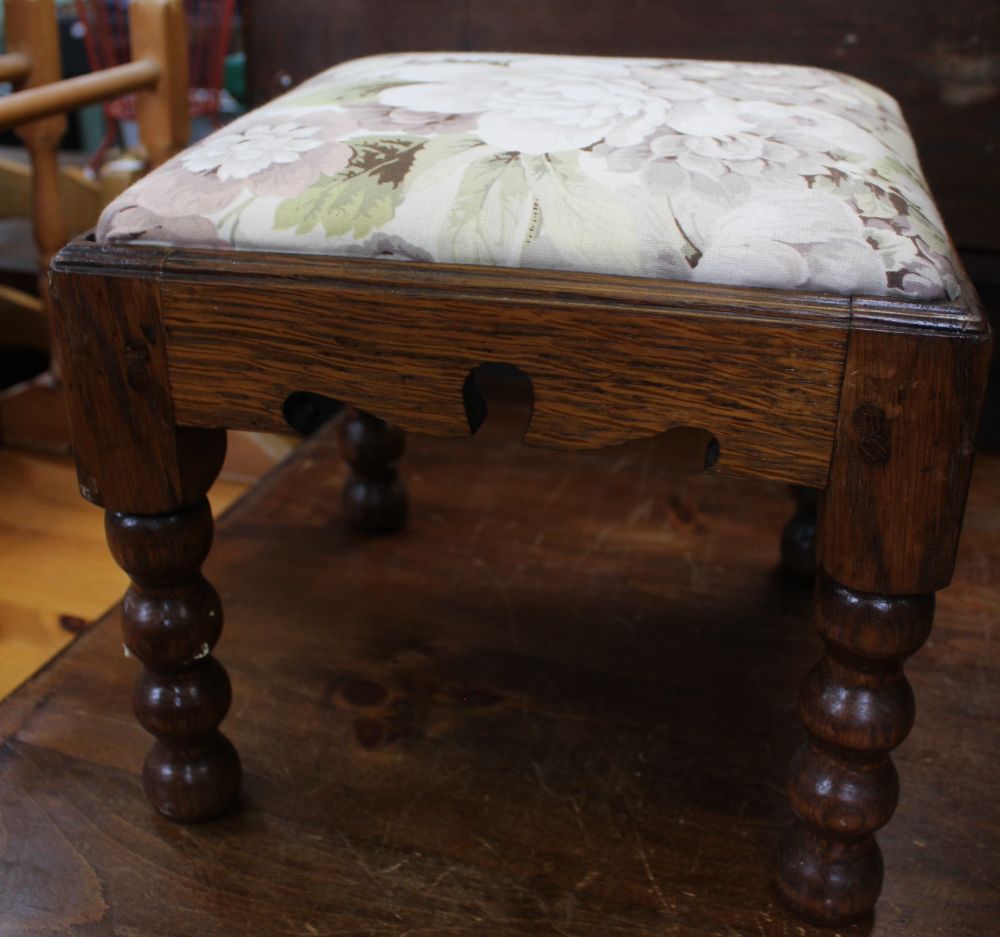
857	706
887	535
374	497
172	619
151	477
798	539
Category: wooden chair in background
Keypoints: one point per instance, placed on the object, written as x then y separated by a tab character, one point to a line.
32	413
106	39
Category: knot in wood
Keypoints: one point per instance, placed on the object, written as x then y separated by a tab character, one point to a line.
872	429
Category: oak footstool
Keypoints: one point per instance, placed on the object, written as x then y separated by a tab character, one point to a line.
747	249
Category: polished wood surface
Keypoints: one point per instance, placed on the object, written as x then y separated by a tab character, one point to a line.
560	703
610	359
131	458
888	528
891	516
857	705
14	66
171	620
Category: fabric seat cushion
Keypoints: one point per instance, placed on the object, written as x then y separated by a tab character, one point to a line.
753	175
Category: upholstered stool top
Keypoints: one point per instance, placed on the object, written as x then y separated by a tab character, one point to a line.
755	175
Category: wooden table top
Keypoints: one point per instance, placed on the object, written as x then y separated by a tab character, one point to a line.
561	703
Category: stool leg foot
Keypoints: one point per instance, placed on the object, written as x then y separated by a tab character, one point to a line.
798	539
374	497
172	619
857	706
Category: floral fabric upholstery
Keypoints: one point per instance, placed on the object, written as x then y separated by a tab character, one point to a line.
717	172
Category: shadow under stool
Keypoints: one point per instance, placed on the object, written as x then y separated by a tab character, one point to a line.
750	250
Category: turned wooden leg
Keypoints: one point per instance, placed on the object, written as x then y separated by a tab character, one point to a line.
151	477
857	706
172	620
886	539
374	497
798	539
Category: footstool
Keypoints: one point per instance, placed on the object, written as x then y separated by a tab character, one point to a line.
747	249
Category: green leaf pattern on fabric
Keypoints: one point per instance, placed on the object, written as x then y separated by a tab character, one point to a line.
359	200
493	209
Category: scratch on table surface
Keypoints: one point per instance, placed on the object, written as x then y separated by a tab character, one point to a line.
643	511
437	881
757	915
555	795
696	860
664	904
578	814
595	545
553	495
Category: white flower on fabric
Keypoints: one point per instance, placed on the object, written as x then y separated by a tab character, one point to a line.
714	137
795	217
744	153
845	266
804	239
241	155
543	106
761	262
798	86
810	128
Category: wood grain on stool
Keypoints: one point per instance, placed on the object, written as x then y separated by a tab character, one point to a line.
888	532
601	352
152	478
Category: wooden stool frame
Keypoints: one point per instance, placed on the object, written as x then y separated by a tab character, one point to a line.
873	401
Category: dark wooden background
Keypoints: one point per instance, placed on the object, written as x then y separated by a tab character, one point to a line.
940	58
